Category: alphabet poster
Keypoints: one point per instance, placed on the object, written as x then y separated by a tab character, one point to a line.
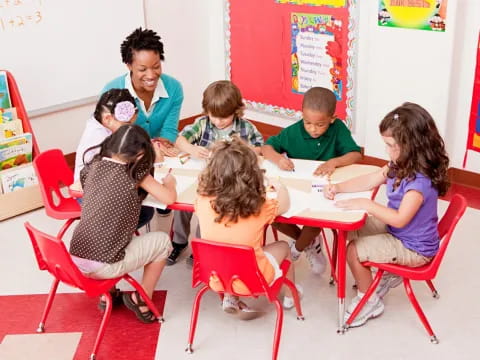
278	49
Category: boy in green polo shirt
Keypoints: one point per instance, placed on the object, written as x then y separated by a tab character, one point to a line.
318	136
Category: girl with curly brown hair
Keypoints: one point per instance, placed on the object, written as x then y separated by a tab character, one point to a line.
233	207
405	231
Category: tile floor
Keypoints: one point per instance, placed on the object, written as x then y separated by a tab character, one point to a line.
397	334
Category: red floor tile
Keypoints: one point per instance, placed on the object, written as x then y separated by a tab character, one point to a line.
125	336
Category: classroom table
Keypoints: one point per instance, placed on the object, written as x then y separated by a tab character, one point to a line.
340	220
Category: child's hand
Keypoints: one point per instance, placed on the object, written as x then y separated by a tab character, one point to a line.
169	181
286	164
166	147
329	191
354	204
199	152
158	152
327	168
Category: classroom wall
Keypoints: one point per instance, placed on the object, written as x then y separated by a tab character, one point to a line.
395	65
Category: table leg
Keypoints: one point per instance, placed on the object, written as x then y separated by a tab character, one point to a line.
341	269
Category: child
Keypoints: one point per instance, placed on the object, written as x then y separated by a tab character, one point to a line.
116	107
115	182
318	136
405	231
223	108
232	207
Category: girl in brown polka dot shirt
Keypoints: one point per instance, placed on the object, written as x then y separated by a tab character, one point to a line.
115	182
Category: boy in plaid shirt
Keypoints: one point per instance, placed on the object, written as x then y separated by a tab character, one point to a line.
223	108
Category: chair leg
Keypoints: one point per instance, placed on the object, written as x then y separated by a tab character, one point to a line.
103	324
48	305
435	293
418	309
193	321
296	298
365	298
278	329
145	297
65	227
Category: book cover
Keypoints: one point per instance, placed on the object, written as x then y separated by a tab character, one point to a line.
15	151
4	93
10	129
8	114
18	178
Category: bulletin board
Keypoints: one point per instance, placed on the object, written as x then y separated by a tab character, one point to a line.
473	140
278	49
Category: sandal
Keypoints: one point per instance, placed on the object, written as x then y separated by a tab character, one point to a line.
230	303
116	295
247	313
146	317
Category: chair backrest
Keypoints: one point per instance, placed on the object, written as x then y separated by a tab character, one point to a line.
446	226
227	262
52	255
53	173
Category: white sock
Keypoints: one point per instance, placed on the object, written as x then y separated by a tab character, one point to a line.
295	253
372	299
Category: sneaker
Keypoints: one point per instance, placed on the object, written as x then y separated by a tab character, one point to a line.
315	257
387	282
372	309
189	261
288	302
293	250
230	303
177	250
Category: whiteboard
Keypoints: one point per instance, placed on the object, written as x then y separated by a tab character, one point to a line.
63	51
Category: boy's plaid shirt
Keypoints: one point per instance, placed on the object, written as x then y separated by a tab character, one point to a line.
202	132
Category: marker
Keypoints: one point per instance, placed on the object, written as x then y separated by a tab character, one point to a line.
169	171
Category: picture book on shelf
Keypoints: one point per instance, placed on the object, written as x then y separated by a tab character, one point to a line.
18	178
15	151
8	114
4	92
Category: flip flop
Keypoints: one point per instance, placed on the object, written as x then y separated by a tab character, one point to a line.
146	317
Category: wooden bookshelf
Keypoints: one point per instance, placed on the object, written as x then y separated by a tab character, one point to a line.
27	199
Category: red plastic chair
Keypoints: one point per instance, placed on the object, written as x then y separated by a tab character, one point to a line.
53	173
229	263
52	255
427	273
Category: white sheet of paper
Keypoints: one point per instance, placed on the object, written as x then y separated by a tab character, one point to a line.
303	170
183	183
318	202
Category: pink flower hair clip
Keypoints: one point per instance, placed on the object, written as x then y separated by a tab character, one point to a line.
124	111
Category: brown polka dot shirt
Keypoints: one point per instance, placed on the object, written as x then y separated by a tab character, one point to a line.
110	210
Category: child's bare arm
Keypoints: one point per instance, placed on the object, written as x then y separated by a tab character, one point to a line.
328	167
198	152
278	159
165	193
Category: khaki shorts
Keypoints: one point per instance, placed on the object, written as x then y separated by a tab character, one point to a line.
142	250
375	244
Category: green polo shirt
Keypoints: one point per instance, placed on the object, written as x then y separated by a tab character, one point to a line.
298	144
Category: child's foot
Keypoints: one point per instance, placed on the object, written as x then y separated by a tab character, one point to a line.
116	295
387	282
134	302
293	250
288	302
230	303
177	250
373	308
315	256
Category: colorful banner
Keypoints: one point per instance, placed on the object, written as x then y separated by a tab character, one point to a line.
330	3
312	65
413	14
473	142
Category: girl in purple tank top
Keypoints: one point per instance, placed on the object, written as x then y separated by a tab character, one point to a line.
404	231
